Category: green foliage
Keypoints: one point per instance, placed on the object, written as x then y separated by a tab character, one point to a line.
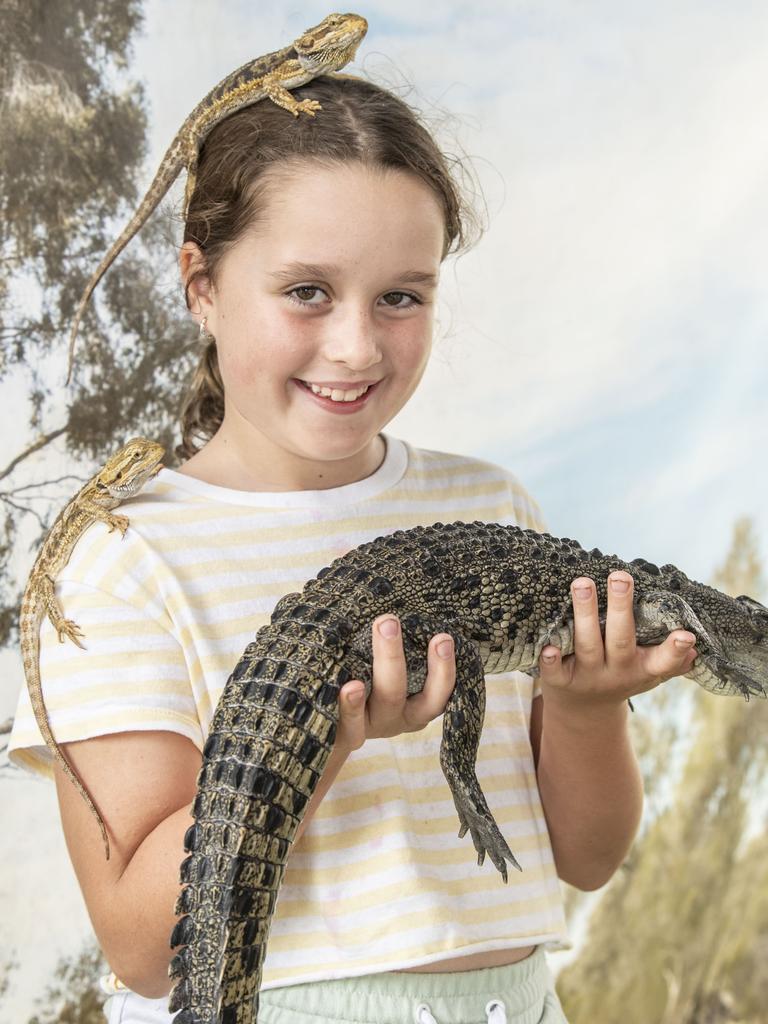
73	131
680	934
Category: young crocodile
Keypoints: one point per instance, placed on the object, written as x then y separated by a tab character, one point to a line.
123	475
320	50
503	593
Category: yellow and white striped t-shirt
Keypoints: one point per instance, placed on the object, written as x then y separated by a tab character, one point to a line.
379	881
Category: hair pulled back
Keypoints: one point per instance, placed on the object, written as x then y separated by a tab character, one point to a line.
252	148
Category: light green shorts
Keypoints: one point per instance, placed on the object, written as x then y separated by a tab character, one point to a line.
521	993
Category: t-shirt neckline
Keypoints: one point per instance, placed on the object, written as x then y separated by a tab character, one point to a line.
387	475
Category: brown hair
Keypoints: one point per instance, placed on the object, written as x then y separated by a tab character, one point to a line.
245	153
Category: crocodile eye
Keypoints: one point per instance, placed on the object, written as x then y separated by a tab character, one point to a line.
757	612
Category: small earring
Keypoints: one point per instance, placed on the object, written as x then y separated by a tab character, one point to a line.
203	328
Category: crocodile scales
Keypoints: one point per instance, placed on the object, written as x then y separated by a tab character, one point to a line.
503	593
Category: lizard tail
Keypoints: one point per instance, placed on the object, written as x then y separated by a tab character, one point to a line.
173	162
30	622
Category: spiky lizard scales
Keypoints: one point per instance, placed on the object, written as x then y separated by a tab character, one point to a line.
123	475
503	593
323	49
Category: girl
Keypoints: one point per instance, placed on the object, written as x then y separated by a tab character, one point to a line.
311	257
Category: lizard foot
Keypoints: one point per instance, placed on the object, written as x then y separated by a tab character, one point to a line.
485	834
70	629
117	522
307	107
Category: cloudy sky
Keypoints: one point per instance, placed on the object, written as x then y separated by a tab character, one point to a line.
606	340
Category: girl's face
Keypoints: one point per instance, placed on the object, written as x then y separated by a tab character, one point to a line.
335	287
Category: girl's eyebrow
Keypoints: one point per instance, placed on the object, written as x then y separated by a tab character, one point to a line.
298	269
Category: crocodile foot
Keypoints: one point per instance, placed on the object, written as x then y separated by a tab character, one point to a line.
486	837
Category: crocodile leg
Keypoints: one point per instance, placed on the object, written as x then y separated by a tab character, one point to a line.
462	725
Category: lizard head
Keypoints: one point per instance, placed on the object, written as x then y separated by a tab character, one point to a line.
126	472
331	44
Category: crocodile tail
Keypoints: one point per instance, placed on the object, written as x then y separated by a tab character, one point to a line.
269	741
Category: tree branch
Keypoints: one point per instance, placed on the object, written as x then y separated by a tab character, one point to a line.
35	447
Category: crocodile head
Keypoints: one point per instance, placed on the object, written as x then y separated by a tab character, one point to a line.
732	641
741	665
731	632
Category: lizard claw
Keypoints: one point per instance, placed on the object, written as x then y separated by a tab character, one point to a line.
68	628
116	521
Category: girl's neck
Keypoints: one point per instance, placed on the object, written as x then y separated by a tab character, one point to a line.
221	464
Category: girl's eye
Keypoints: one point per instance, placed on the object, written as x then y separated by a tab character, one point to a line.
293	295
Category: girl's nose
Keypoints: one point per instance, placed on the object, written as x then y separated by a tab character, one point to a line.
353	339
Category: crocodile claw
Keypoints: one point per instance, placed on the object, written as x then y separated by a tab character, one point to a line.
486	838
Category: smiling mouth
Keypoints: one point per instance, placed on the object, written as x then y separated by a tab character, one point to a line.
340	395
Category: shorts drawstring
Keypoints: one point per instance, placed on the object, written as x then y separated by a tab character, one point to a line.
495	1012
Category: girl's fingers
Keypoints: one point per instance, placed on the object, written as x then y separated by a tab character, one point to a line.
423	707
551	667
620	638
587	638
672	658
385	703
351	729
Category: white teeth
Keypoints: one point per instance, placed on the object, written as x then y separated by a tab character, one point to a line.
335	394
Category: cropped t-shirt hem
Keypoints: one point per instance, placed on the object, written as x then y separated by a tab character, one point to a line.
350	970
111	984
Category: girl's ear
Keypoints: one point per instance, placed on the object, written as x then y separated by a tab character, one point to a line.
191	260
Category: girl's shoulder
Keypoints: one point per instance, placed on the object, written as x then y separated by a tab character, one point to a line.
158	513
473	478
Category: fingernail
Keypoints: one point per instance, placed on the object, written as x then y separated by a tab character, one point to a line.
583	592
684	645
444	648
618	585
548	658
388	627
356	697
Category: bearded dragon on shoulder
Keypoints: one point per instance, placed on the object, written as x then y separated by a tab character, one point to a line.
123	476
326	48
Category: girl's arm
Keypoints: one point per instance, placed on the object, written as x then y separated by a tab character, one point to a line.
588	777
144	784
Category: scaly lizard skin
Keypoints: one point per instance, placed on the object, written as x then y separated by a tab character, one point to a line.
124	474
321	50
503	593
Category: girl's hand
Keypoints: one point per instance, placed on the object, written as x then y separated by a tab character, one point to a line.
389	710
608	672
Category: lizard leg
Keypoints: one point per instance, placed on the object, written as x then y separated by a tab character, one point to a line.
114	520
462	725
64	627
276	91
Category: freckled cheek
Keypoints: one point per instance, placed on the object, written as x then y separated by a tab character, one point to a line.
261	361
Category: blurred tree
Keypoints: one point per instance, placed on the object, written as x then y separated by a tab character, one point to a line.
72	127
677	935
75	996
